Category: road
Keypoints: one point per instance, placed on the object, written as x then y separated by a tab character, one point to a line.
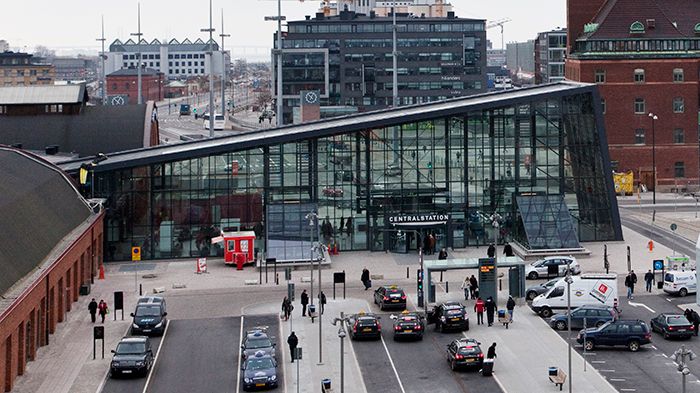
129	384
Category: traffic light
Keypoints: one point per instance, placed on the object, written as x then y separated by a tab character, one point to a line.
419	278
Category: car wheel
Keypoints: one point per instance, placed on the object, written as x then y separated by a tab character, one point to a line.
599	324
665	334
546	312
633	345
683	292
533	276
560	325
589	345
453	365
531	295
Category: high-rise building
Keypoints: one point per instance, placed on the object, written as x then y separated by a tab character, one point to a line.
348	59
520	57
550	54
426	8
22	69
645	59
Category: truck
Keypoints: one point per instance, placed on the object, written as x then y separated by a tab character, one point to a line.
590	288
185	109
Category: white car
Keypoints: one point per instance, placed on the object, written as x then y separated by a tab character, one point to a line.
553	266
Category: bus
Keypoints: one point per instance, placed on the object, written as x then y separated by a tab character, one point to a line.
219	121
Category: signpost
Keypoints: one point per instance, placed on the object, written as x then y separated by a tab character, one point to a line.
118	303
98	333
339	278
135	257
487	278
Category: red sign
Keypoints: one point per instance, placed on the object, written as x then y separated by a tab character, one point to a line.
234	168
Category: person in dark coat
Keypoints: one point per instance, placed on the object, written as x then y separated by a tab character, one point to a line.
443	254
491	252
510	306
92	307
293	341
348	225
426	244
342	225
490	310
695	321
473	287
322	300
634	280
508	250
286	308
365	279
648	278
628	284
491	353
304	302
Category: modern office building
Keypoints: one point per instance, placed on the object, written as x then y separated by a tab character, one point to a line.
520	57
645	59
428	8
379	180
348	59
550	55
22	69
75	68
175	59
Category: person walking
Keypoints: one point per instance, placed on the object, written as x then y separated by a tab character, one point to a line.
491	353
92	307
443	254
293	341
490	310
648	278
432	242
102	307
491	252
365	279
508	250
479	310
695	320
474	287
628	284
304	302
510	306
322	300
634	280
286	308
466	286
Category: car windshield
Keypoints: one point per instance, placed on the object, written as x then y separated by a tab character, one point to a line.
259	364
367	321
677	320
218	117
147	311
550	283
255	343
131	348
669	277
606	324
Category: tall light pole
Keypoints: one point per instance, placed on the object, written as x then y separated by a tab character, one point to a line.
210	52
138	34
341	334
313	217
679	358
102	58
653	154
280	121
395	58
569	280
223	66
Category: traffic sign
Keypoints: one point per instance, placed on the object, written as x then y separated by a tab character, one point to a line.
135	254
658	264
674	227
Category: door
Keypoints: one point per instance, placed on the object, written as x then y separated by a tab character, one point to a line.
577	319
646	177
607	335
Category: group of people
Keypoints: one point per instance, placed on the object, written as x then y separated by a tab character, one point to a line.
94	308
489	306
471	288
507	250
287	306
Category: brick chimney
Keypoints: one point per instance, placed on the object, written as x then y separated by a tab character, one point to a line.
578	13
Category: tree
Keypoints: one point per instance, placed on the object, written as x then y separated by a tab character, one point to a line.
44	52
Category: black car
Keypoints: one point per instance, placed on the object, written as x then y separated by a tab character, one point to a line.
257	340
631	333
259	372
133	356
463	353
592	315
408	325
449	315
672	325
364	326
149	316
390	297
533	291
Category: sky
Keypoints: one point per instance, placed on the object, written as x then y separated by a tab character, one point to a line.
67	25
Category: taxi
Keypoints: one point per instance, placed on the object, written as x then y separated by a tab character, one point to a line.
463	353
449	315
390	297
363	325
408	325
257	340
259	372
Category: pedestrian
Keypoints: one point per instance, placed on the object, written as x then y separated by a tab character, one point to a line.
628	284
490	310
466	286
322	300
510	306
365	279
304	302
431	239
634	280
479	310
473	287
293	341
92	307
491	353
508	250
426	244
443	254
103	309
695	321
286	308
491	252
648	278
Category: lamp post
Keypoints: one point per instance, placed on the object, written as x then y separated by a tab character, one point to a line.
568	280
653	154
679	357
341	333
138	35
313	217
210	52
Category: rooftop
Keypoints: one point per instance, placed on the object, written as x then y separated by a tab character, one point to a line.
345	16
43	94
134	72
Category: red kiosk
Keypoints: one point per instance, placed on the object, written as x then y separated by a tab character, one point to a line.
239	248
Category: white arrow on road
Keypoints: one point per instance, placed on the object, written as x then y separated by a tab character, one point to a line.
642	305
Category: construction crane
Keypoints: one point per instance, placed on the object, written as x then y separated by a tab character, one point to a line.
499	22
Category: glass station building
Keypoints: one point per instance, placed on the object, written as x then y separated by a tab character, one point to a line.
379	180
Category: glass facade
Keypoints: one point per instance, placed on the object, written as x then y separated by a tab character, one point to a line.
380	188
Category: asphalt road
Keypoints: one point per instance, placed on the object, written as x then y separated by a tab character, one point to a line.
660	235
128	384
272	322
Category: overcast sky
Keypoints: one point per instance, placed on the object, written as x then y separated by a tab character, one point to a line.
67	24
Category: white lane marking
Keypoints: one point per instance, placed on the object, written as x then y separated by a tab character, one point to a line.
155	361
668	299
606	371
284	363
628	390
357	364
618	379
653	347
598	361
391	361
104	379
642	305
664	355
238	373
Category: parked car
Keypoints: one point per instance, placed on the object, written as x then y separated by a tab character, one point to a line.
390	297
532	291
133	356
408	325
631	333
554	266
257	340
449	315
680	282
259	371
672	325
593	315
149	316
464	352
364	325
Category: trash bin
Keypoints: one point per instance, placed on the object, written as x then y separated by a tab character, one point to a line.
660	284
312	309
553	371
487	368
325	385
84	290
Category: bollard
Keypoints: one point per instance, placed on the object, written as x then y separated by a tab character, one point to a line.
407	272
440	275
277	279
447	287
500	284
140	290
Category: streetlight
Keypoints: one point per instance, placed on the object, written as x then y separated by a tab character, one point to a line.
139	99
341	333
569	280
653	154
313	219
679	357
210	52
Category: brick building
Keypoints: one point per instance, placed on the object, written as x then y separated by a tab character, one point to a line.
645	57
51	250
22	69
125	83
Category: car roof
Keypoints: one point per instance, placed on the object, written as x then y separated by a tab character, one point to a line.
256	334
452	304
151	300
467	341
134	339
259	355
595	306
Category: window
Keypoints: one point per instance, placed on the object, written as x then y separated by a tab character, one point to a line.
599	76
678	105
639	106
639	136
602	104
679	169
678	75
678	135
556	292
639	75
114	86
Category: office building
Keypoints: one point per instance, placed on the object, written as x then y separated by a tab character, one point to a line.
550	55
22	69
75	68
520	57
426	8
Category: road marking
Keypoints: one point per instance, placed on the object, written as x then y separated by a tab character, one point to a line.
653	347
642	305
668	299
598	361
628	390
618	379
357	364
155	361
238	373
104	379
391	361
606	371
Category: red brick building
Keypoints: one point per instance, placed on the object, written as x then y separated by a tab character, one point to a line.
645	57
51	249
125	82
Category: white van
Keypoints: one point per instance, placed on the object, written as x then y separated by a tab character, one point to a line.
599	289
219	121
678	282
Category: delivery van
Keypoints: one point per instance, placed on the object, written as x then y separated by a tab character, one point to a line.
679	282
586	289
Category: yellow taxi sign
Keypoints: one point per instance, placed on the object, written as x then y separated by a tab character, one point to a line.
404	312
135	253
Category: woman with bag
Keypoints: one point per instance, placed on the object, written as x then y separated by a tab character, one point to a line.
102	307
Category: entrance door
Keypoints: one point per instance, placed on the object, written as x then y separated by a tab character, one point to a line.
646	177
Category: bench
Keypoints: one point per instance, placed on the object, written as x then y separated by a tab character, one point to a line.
559	378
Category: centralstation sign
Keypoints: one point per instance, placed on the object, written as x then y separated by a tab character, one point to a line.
418	218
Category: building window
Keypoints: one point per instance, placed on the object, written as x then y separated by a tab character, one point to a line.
126	86
599	76
3	109
679	169
639	106
678	75
114	86
678	105
639	136
639	75
602	104
678	135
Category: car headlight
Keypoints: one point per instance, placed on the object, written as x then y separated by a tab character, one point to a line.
115	364
135	326
139	363
273	378
247	380
159	324
442	318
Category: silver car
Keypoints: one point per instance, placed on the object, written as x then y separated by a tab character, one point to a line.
554	266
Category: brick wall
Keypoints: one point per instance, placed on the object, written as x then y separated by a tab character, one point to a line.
152	87
579	12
